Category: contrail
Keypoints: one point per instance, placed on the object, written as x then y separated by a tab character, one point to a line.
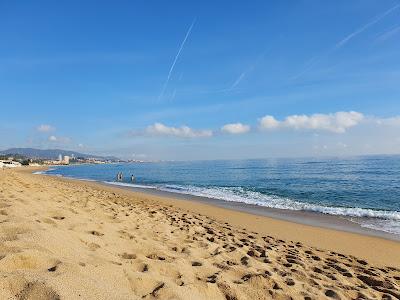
366	26
245	72
176	58
238	80
388	34
315	60
311	63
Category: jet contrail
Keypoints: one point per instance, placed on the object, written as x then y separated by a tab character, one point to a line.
315	60
366	26
388	34
245	72
238	80
176	58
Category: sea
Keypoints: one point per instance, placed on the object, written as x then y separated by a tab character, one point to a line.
364	190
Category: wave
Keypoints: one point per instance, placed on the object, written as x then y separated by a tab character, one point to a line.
132	185
39	173
389	226
44	172
241	195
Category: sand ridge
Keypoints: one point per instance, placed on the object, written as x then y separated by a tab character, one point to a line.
64	240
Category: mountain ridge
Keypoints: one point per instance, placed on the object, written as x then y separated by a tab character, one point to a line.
51	153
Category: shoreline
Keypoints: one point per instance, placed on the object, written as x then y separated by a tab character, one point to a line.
310	218
355	243
69	239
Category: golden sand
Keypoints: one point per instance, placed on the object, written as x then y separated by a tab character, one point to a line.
64	239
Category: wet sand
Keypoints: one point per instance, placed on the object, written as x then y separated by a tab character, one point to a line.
314	219
65	239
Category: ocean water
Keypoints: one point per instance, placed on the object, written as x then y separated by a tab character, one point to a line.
365	189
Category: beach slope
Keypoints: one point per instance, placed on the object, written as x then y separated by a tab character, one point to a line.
63	239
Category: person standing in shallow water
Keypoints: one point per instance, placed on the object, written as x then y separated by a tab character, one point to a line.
119	176
133	178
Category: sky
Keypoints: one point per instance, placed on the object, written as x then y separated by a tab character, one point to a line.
185	80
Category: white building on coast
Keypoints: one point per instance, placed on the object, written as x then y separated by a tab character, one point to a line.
9	164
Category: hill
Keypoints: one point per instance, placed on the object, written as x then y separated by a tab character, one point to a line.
51	153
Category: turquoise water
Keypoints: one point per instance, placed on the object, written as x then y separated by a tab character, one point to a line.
365	190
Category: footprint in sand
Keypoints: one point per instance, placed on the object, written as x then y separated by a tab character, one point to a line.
144	285
96	233
143	267
332	294
52	269
155	257
28	260
48	221
93	246
127	255
37	290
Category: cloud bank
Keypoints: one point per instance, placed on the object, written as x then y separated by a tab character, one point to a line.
392	121
337	122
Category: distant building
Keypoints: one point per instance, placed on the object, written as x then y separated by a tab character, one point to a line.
60	158
66	160
34	164
10	164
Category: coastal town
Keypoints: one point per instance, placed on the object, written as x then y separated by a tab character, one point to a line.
15	161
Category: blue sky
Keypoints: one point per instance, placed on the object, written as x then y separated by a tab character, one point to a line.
124	77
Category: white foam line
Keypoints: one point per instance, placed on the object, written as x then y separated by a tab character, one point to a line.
131	185
384	220
256	198
43	172
237	194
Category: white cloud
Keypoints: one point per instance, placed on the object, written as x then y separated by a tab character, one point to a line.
183	131
235	128
392	121
269	122
45	128
337	122
59	139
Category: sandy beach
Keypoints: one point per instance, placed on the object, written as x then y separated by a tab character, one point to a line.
68	239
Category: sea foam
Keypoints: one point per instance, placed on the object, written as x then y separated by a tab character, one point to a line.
239	194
